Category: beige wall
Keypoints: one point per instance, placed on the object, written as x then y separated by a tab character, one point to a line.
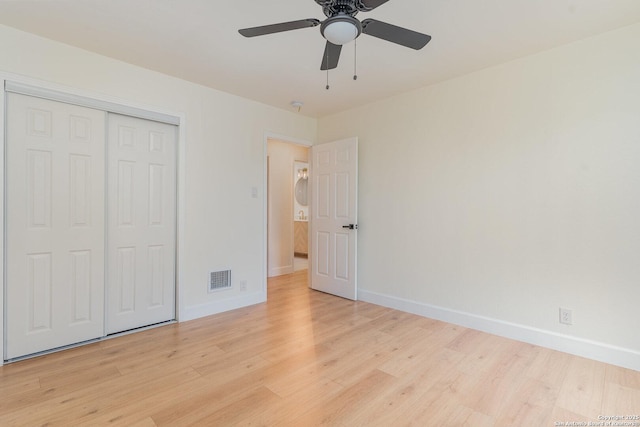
281	156
508	193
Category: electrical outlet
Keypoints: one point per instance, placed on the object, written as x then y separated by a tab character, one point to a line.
243	285
566	317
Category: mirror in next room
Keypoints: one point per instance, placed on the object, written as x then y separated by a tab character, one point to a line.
301	180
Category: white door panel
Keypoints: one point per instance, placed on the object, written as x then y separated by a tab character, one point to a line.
141	223
54	224
334	178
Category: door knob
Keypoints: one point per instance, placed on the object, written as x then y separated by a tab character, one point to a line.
351	226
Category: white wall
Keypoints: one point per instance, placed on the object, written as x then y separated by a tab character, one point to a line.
222	159
282	156
496	198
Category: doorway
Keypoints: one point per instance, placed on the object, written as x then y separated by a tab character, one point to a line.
287	206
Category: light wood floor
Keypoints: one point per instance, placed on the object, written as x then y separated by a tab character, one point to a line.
305	359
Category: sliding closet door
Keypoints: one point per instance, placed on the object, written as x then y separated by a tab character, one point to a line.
141	226
54	224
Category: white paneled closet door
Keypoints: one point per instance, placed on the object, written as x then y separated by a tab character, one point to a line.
141	238
54	224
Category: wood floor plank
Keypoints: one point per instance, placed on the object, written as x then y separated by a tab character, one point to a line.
139	410
416	349
528	405
307	358
443	400
250	406
624	377
92	401
464	416
409	391
201	401
549	366
349	403
297	405
145	422
582	391
18	385
56	385
504	379
621	400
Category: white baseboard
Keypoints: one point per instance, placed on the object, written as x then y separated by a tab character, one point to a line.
215	307
599	351
279	271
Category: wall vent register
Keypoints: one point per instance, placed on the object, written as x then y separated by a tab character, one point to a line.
219	280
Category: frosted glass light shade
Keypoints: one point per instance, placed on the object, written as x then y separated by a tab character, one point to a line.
340	32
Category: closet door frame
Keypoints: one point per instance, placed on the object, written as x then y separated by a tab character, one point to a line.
55	92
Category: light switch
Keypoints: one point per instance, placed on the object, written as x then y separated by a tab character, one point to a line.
254	192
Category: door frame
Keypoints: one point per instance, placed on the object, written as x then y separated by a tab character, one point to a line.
265	202
62	93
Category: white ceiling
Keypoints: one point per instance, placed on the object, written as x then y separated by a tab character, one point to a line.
197	40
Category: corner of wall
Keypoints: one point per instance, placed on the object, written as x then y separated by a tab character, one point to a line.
215	307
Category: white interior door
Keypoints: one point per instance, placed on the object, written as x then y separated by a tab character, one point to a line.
334	216
54	225
141	241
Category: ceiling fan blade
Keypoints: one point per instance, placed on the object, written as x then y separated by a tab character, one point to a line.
394	34
367	5
331	56
277	28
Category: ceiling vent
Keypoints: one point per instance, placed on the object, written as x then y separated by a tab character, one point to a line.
219	280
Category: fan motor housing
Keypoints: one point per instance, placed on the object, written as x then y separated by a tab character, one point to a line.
336	7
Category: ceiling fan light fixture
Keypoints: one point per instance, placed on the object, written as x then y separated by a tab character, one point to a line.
341	29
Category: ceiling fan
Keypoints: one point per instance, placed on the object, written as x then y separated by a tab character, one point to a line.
341	27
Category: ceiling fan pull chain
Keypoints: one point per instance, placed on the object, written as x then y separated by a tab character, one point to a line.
327	70
355	59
